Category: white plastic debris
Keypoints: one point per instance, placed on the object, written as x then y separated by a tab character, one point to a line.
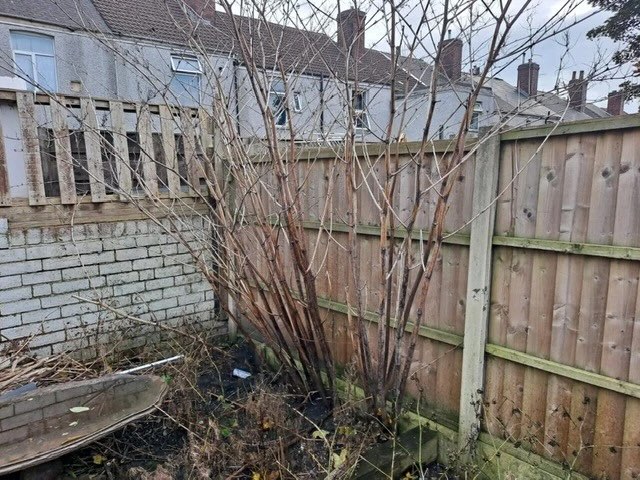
237	372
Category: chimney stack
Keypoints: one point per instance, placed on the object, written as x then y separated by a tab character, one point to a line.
615	103
528	78
578	91
451	58
351	25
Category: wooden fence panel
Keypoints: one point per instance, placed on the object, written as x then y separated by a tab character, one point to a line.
563	340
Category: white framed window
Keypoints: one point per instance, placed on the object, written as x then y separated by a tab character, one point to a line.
278	102
35	60
359	103
475	117
186	78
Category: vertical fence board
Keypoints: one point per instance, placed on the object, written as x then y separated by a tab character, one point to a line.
5	188
620	312
167	127
190	151
92	140
630	180
121	150
573	227
594	288
548	213
525	200
29	130
150	177
64	160
499	314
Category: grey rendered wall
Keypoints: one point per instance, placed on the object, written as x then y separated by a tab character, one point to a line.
78	58
323	112
448	112
112	68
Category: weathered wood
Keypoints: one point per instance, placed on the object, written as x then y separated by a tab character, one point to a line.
190	152
573	227
521	358
31	147
54	215
64	160
5	187
149	175
542	290
487	164
526	161
560	246
121	150
593	126
167	127
579	374
617	330
92	140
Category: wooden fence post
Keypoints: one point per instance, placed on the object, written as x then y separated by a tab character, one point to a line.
485	184
5	188
31	146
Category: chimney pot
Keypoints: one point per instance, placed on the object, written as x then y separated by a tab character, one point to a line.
615	103
528	78
578	91
450	63
351	24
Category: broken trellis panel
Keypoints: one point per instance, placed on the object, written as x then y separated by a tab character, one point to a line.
77	146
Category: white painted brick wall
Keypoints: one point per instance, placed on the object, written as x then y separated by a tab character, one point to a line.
133	266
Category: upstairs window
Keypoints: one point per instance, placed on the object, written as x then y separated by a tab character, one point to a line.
35	60
185	82
359	104
475	117
278	103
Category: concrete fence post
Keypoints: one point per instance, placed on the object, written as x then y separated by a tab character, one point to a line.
487	164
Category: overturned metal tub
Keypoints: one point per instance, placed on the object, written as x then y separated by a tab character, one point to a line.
46	423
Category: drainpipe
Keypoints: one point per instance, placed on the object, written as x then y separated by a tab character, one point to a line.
322	104
236	90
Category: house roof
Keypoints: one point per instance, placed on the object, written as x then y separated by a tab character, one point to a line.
170	21
545	105
72	14
268	44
